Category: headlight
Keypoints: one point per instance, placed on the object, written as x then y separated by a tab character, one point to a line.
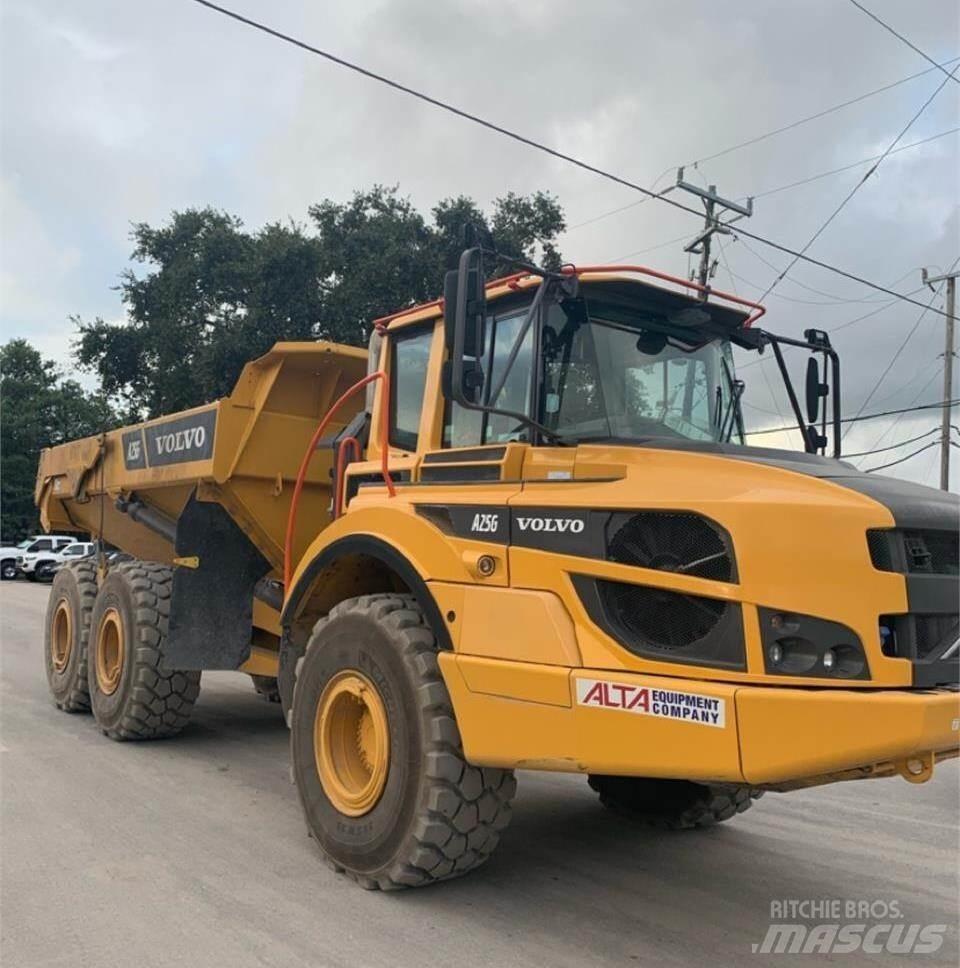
804	645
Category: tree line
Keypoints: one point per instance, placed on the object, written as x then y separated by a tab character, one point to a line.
207	295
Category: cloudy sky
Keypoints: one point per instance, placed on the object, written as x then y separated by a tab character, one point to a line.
116	111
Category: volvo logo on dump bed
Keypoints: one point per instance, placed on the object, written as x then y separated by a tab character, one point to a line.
178	441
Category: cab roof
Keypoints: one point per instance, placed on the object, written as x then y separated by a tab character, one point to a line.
724	315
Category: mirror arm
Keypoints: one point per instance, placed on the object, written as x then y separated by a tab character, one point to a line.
809	445
835	394
538	298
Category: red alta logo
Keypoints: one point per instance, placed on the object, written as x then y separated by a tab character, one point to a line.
613	695
686	707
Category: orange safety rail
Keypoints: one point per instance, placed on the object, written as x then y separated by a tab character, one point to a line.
314	440
758	309
354	444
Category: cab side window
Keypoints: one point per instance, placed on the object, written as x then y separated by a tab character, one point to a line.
44	544
410	351
470	428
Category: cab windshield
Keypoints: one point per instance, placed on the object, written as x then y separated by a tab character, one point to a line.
607	376
603	372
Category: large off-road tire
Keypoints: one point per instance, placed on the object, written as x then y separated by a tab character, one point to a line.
673	804
377	756
66	633
131	695
267	687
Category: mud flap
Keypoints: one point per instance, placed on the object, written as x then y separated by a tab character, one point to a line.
211	608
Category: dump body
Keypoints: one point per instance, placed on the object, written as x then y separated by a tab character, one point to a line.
242	452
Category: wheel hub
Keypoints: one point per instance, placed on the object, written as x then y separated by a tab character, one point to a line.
110	652
61	638
351	742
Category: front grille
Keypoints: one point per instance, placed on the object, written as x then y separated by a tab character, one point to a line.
915	552
935	633
660	618
671	541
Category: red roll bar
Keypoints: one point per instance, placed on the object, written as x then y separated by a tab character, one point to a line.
314	440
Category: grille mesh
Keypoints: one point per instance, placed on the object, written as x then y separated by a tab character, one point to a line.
935	632
659	618
881	550
672	541
927	552
934	552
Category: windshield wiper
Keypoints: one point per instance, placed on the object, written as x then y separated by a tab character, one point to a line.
731	417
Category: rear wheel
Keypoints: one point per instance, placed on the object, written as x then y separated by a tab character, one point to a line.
131	695
377	756
66	634
673	804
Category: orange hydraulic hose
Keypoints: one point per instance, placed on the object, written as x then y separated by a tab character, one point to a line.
305	463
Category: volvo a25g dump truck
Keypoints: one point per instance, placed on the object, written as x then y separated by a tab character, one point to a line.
523	531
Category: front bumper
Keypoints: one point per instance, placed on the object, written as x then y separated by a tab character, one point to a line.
529	716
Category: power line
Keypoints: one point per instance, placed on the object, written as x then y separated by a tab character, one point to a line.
819	114
853	191
523	139
893	426
770	191
839	326
866	416
900	37
902	443
855	164
820	292
902	346
893	463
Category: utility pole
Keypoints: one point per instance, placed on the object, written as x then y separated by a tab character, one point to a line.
714	206
951	280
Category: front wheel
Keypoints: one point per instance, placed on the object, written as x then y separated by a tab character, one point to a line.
377	756
8	569
673	804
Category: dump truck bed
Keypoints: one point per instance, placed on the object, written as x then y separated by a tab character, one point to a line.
241	452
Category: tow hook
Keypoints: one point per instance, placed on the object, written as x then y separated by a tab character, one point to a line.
916	769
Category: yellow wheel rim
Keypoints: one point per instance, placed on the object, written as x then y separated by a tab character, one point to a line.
110	652
351	743
61	636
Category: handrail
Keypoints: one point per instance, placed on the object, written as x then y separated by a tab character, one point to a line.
354	444
305	463
759	309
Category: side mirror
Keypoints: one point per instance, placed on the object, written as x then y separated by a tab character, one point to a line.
814	390
465	305
471	381
464	321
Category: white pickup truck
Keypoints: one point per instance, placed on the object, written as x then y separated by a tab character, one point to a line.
37	542
40	563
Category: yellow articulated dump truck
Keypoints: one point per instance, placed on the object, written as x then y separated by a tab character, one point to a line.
524	530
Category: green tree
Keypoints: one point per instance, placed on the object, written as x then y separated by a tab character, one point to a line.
215	296
39	409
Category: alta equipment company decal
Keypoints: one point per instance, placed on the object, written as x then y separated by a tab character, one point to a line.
685	707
